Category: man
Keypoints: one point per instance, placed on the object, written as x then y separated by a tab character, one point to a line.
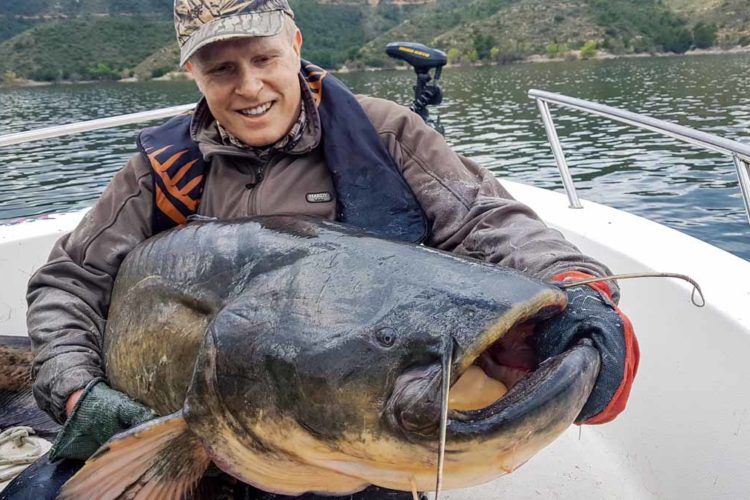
273	135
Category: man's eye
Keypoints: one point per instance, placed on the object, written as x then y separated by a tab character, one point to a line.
261	60
224	68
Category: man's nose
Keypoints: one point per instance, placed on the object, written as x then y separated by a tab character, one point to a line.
249	85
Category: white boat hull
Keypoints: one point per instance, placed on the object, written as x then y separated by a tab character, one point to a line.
686	433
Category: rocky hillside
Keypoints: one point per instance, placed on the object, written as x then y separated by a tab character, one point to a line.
375	3
731	17
17	16
52	40
88	39
507	30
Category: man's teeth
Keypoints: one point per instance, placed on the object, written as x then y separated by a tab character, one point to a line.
257	110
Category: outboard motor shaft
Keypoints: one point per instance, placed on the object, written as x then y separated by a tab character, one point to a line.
423	59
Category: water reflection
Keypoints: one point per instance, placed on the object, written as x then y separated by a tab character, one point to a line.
487	116
70	172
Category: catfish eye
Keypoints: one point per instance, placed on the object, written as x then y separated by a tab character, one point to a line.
386	337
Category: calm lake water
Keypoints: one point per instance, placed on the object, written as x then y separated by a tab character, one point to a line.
487	116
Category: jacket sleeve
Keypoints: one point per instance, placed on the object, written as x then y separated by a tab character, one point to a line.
68	297
469	211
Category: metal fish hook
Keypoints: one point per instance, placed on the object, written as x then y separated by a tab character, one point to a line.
447	362
696	286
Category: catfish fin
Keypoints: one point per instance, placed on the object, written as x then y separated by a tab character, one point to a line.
19	409
158	459
17	404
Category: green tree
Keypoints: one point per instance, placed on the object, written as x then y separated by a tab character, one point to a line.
9	76
557	49
352	53
588	50
704	35
454	55
505	53
483	45
647	24
161	71
677	40
102	71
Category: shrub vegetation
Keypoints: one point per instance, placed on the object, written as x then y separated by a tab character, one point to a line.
105	39
89	48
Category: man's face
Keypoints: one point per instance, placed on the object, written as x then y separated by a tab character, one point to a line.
251	85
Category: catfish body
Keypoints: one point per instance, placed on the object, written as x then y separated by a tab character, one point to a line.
301	355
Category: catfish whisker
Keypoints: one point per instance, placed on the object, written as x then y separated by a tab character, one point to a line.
696	286
447	362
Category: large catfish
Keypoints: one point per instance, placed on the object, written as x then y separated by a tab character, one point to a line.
301	355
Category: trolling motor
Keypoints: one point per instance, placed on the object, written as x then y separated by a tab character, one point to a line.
423	59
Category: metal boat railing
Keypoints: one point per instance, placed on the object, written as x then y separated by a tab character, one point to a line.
739	152
86	126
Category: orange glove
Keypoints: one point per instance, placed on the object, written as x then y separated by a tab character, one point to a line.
592	314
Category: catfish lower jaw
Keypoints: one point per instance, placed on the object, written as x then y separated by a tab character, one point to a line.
414	407
556	391
548	398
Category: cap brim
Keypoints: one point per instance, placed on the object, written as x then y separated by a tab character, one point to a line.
248	25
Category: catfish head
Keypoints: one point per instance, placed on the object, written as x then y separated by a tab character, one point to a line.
326	367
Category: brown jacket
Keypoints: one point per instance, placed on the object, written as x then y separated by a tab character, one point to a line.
468	210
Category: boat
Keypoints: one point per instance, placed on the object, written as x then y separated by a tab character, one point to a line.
686	431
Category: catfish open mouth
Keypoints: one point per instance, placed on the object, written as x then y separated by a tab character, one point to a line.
495	371
480	389
497	387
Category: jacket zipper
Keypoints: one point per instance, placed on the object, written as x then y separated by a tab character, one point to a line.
255	193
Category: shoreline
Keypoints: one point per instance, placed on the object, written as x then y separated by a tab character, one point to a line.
532	59
607	55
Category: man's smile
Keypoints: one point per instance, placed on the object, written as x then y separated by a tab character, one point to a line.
257	110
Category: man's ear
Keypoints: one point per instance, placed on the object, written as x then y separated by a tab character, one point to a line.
191	69
298	42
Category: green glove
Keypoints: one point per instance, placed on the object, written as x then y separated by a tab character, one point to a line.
99	414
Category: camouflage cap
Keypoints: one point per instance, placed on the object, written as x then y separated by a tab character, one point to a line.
200	22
